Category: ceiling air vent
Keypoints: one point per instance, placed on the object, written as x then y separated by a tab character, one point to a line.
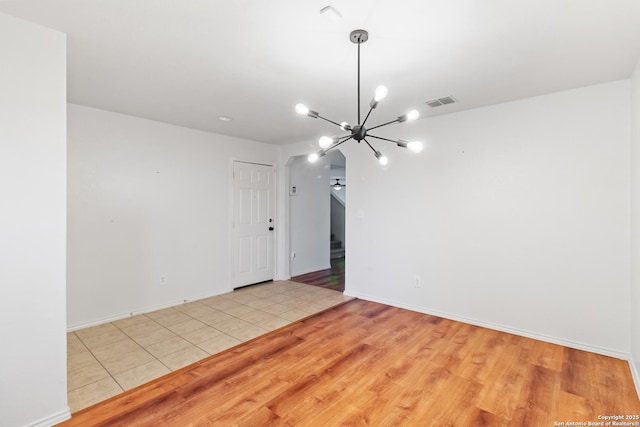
441	101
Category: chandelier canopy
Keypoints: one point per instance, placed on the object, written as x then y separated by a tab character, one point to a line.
359	132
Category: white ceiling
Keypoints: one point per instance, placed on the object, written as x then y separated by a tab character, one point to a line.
188	61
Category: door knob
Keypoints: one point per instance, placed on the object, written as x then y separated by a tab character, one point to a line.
270	228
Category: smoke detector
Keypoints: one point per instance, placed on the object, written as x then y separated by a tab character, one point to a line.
331	12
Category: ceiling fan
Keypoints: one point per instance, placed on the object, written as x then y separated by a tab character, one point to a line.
337	186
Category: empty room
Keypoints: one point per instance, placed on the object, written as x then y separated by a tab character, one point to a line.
320	213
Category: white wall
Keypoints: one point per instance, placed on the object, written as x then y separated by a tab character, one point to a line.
33	368
146	200
515	216
309	215
635	224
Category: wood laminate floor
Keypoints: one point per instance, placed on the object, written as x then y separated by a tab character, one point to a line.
364	363
331	278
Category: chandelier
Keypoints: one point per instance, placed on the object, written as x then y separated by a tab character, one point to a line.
359	132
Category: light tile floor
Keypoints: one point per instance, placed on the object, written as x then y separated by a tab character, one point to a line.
105	360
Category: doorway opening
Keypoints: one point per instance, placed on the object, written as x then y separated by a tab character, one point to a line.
317	221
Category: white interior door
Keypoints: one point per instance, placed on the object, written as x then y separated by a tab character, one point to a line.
253	223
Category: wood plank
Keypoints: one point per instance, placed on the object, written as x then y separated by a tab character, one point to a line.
538	404
501	393
364	363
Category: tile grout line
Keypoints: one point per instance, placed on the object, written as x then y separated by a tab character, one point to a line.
141	346
99	362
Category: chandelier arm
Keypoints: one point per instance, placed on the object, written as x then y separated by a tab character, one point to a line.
373	149
384	139
330	121
346	138
384	124
366	118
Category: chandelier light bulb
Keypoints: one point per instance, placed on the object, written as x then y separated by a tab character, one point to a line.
411	115
345	126
382	159
415	146
325	141
313	157
381	93
302	109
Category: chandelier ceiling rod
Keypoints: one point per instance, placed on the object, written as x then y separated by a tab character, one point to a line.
359	42
359	132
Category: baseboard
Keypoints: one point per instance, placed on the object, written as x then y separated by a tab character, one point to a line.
143	310
524	333
635	373
52	419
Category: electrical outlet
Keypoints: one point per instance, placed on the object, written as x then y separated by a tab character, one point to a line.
163	280
417	283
